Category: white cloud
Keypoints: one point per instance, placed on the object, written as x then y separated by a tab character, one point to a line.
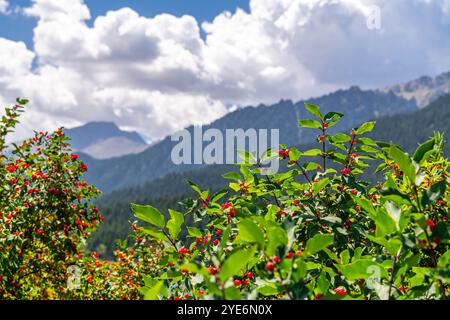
3	6
157	75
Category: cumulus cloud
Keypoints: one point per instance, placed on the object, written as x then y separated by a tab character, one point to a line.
157	74
3	6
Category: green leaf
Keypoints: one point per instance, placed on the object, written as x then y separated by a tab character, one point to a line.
340	138
277	238
194	232
315	110
248	231
345	256
310	124
423	149
362	269
175	223
194	186
444	260
236	263
232	176
155	233
246	173
331	115
294	154
312	153
395	195
403	161
218	195
318	243
310	166
269	289
394	213
320	185
365	127
22	101
153	292
322	283
385	223
233	293
148	214
366	205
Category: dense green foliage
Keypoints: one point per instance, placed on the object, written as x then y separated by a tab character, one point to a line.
333	236
316	230
404	130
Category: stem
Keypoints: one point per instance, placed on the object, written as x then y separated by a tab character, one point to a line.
188	278
285	285
271	182
303	172
391	280
324	149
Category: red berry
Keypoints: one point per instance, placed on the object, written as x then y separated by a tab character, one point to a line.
322	138
340	291
431	223
270	266
216	242
249	275
237	282
290	255
212	270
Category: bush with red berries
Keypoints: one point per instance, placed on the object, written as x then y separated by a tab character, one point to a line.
45	212
316	231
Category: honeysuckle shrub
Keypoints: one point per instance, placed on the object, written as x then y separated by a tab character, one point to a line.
46	215
316	231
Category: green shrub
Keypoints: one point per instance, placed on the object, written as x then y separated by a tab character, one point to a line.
312	232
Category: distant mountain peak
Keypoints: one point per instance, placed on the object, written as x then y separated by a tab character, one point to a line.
423	90
103	139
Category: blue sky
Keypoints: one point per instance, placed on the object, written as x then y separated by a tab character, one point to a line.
157	74
20	28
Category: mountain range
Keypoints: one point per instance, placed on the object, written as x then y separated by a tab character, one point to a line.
104	140
357	105
423	90
120	159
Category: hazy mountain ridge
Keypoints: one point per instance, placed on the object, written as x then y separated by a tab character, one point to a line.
103	140
423	90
